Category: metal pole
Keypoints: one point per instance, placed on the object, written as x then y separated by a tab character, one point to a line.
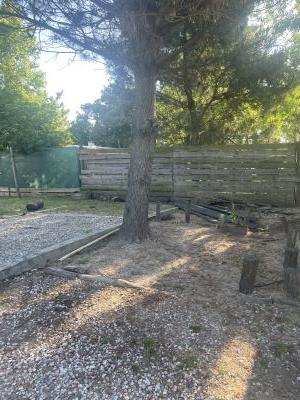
14	170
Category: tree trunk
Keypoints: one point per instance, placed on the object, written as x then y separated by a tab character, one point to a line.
135	219
194	134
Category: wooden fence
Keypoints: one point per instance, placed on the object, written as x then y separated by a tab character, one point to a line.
258	173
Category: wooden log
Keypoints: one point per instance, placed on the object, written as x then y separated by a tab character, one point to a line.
188	211
35	206
248	276
105	280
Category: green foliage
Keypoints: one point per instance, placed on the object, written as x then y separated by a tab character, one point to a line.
231	88
235	87
82	129
29	119
107	121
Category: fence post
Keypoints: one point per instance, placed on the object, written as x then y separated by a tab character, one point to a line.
157	211
290	265
14	170
188	211
297	170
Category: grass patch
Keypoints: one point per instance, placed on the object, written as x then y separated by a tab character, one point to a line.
135	368
223	368
196	328
12	206
189	361
107	340
263	362
150	347
281	348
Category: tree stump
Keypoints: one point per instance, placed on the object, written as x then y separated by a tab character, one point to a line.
291	268
248	276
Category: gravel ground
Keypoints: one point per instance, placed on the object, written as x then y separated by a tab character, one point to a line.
21	237
190	336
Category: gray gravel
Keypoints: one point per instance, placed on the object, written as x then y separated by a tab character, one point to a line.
25	236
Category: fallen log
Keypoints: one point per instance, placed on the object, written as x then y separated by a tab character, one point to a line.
35	206
93	278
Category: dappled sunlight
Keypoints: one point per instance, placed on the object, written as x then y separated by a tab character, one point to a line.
222	247
113	268
231	374
61	288
94	308
194	231
156	275
92	304
202	237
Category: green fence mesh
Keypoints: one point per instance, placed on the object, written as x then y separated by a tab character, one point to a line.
47	169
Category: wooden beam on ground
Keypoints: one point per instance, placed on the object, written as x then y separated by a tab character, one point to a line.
101	279
163	212
113	230
108	234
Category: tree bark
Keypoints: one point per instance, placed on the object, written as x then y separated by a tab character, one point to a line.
135	219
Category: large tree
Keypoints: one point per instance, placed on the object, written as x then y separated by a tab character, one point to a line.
228	72
29	119
144	35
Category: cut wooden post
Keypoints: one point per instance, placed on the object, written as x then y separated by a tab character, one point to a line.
188	211
157	211
14	170
291	270
248	276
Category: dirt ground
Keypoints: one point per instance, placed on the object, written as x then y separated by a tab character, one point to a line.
188	335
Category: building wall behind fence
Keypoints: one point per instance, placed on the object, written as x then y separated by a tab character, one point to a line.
258	173
47	169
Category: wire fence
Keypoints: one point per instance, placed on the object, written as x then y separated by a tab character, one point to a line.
46	169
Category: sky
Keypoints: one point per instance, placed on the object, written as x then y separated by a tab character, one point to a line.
80	81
